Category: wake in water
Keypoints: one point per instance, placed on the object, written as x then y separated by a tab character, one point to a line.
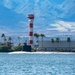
23	52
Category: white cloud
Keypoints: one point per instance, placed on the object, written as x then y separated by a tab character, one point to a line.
63	26
58	27
45	9
45	13
67	25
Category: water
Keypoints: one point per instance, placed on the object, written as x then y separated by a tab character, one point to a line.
37	64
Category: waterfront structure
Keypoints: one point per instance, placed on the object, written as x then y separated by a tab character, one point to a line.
57	46
26	47
31	19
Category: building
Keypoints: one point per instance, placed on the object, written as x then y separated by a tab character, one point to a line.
56	46
31	19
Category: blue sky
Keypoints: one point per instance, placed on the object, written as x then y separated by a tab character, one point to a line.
52	17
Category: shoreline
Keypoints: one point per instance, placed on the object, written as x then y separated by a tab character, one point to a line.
23	52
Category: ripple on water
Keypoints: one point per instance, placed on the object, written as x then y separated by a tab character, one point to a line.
32	64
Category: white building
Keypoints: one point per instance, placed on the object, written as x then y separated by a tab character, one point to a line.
52	46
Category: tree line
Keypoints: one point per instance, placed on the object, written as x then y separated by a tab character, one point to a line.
52	40
9	43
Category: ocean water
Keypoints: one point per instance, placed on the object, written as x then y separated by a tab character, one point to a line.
37	64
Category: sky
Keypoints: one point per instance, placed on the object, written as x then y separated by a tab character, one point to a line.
52	17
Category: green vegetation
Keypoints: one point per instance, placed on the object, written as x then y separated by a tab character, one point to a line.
7	46
57	40
19	38
69	40
4	48
42	36
9	39
52	40
37	37
17	48
73	50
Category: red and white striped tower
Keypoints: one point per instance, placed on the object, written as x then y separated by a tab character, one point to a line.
31	19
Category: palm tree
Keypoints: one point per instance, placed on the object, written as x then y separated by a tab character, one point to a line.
69	40
5	39
52	40
3	36
57	40
9	43
37	36
19	39
42	36
9	39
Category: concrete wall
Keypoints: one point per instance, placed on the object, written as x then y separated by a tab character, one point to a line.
56	45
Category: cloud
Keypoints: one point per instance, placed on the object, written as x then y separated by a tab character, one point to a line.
47	7
57	27
49	17
68	25
62	26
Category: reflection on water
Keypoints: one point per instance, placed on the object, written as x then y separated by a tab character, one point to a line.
37	64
